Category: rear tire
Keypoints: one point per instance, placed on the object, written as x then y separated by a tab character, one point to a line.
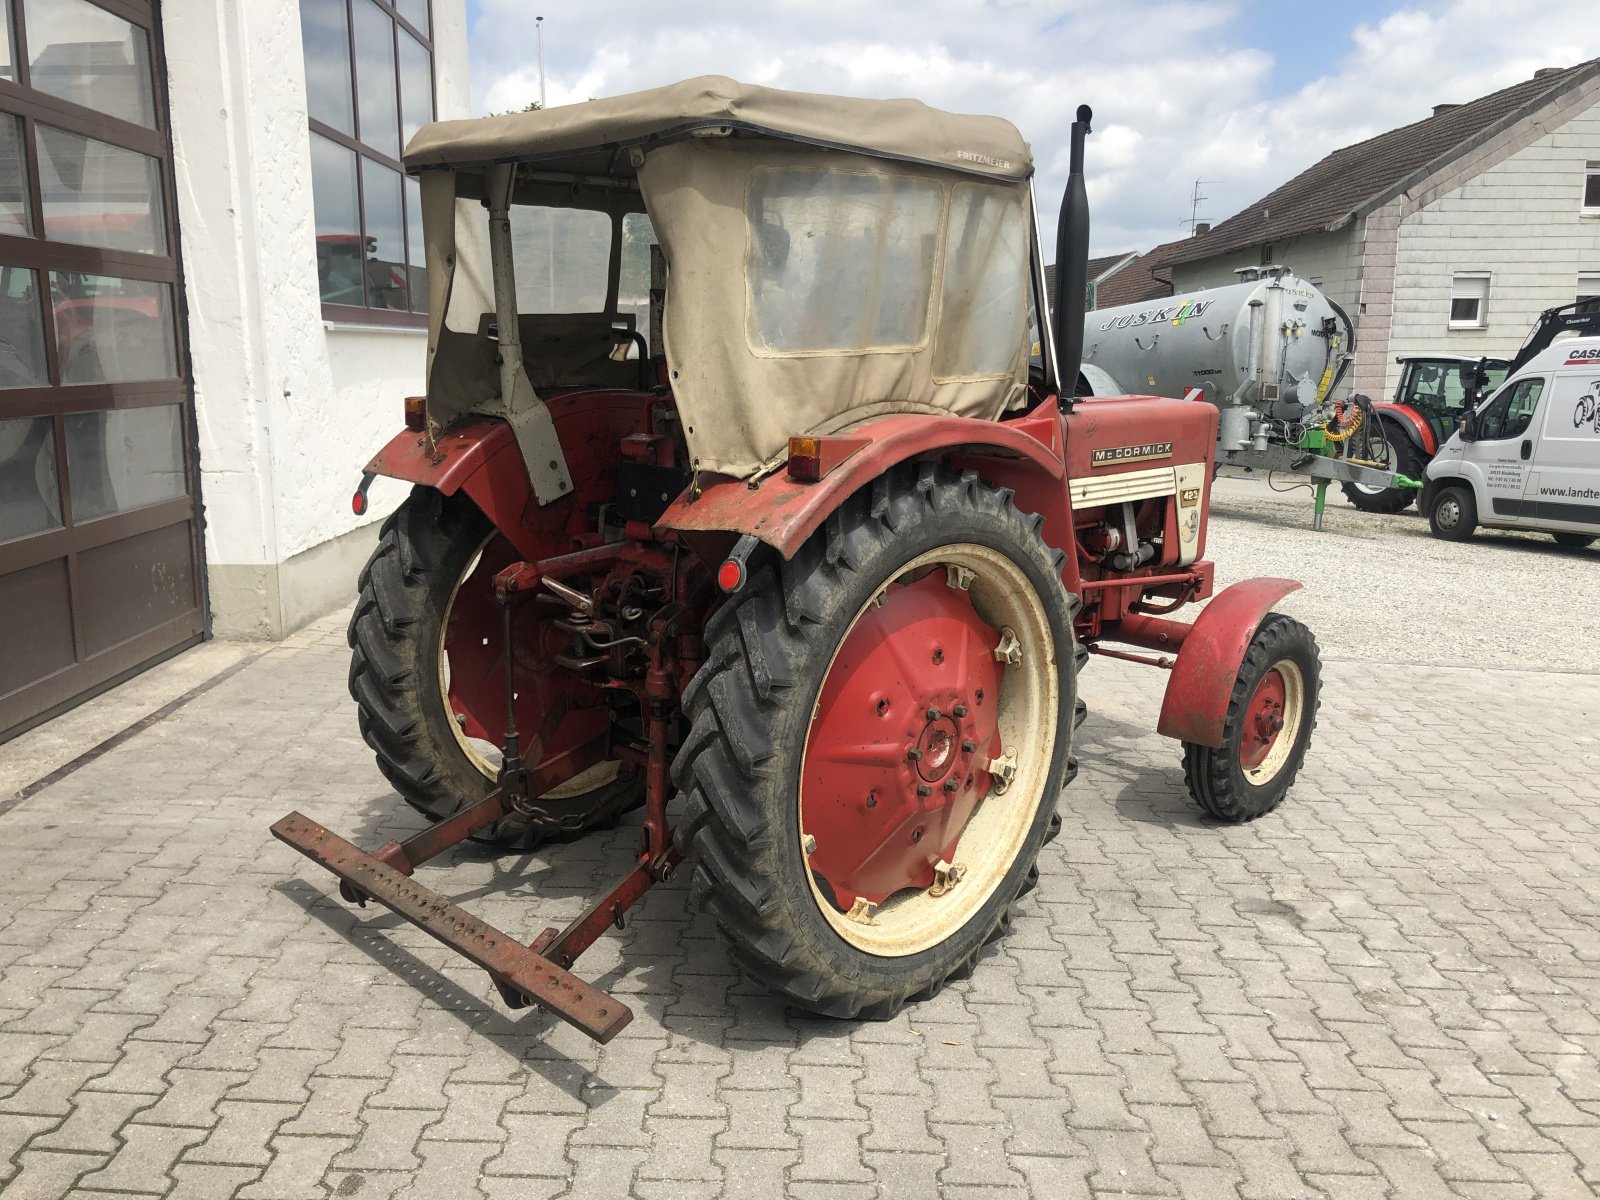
1249	774
1453	513
1573	541
424	550
1404	459
755	708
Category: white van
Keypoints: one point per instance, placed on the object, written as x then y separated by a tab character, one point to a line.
1529	456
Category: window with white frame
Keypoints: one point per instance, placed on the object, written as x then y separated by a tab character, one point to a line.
1591	190
1469	301
1588	293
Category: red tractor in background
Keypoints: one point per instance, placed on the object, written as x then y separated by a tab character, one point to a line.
815	563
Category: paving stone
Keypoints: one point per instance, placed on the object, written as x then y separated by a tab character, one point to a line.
145	1159
1352	999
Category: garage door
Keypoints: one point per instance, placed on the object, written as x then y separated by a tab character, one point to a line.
99	534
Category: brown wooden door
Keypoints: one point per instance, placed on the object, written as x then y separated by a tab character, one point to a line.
99	529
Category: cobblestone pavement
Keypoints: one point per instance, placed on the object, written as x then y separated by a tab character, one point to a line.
1389	988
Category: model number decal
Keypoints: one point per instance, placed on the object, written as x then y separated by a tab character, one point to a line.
1123	454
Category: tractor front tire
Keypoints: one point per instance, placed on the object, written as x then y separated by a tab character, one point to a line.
426	550
1271	713
1404	459
782	753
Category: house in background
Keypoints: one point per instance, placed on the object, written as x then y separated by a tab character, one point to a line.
1100	269
1450	234
211	295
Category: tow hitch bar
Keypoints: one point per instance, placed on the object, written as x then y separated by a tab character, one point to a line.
537	974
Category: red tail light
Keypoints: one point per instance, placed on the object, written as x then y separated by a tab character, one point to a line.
416	413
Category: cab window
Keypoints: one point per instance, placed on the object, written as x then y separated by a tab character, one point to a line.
1508	414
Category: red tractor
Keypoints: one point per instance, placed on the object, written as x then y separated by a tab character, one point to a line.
808	571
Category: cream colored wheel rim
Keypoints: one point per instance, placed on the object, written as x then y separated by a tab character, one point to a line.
1294	707
912	920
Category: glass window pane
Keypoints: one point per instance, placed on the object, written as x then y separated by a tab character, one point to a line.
99	194
386	249
123	458
111	330
983	304
561	256
1591	191
325	40
8	68
416	251
80	52
839	260
416	86
333	196
13	178
415	11
380	120
21	330
633	285
30	498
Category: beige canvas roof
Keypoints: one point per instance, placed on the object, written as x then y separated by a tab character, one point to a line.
589	138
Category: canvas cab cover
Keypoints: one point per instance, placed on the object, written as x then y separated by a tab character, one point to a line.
829	259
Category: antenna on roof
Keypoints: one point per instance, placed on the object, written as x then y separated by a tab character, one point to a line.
539	24
1195	200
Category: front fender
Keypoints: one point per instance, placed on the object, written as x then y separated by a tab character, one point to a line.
1409	422
1196	704
783	513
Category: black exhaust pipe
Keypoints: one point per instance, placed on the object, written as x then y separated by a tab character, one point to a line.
1072	264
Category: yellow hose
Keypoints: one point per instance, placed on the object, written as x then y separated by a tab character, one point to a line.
1355	424
1327	371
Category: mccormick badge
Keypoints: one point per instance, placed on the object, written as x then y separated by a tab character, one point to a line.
1125	454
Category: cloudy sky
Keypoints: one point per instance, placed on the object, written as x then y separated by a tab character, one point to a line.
1240	93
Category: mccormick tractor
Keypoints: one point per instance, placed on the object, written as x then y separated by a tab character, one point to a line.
808	569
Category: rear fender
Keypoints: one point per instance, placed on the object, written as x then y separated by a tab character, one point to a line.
1409	422
1196	704
783	513
479	457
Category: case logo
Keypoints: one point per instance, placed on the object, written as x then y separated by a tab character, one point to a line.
1124	454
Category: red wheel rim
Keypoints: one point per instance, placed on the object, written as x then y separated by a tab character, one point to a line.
1263	720
906	723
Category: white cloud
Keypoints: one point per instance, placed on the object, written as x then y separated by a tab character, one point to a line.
1179	90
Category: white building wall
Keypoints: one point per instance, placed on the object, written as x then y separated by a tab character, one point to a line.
289	408
1332	260
1520	222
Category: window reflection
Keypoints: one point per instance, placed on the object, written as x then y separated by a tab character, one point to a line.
98	194
333	194
123	459
30	496
416	86
8	68
415	11
376	103
416	250
82	53
13	178
21	330
386	247
325	38
111	330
